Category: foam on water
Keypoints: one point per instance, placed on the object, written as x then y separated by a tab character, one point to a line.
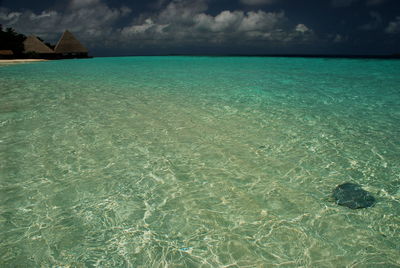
198	162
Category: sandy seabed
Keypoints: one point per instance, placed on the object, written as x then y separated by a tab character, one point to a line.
198	162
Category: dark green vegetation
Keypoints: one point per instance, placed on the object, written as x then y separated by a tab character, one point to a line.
46	43
11	40
351	195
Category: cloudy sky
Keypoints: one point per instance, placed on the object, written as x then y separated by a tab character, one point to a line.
122	27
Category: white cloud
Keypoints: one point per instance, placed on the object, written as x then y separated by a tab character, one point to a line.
338	38
9	17
394	26
89	19
227	26
301	33
302	28
239	21
262	21
146	31
178	23
258	2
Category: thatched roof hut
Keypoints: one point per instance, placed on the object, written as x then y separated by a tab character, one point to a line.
33	44
6	54
68	44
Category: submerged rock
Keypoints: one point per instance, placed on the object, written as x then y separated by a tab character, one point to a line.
351	195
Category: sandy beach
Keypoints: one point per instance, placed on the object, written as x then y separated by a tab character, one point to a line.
20	61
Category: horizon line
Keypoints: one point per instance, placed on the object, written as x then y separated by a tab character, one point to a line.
295	55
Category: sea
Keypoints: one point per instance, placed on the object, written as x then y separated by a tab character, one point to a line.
182	161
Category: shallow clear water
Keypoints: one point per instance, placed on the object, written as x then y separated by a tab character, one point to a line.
198	162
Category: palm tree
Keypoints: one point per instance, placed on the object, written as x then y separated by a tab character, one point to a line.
11	40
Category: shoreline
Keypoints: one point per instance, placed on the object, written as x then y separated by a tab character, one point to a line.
20	60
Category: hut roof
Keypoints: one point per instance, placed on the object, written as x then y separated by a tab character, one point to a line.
32	44
6	52
69	44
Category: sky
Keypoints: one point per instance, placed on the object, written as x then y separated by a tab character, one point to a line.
212	27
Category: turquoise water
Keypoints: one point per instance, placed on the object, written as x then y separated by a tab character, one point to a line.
198	162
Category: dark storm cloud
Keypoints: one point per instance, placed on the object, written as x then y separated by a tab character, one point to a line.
258	2
346	3
375	23
374	2
342	3
188	26
179	21
90	18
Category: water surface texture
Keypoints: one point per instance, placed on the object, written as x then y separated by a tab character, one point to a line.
198	162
